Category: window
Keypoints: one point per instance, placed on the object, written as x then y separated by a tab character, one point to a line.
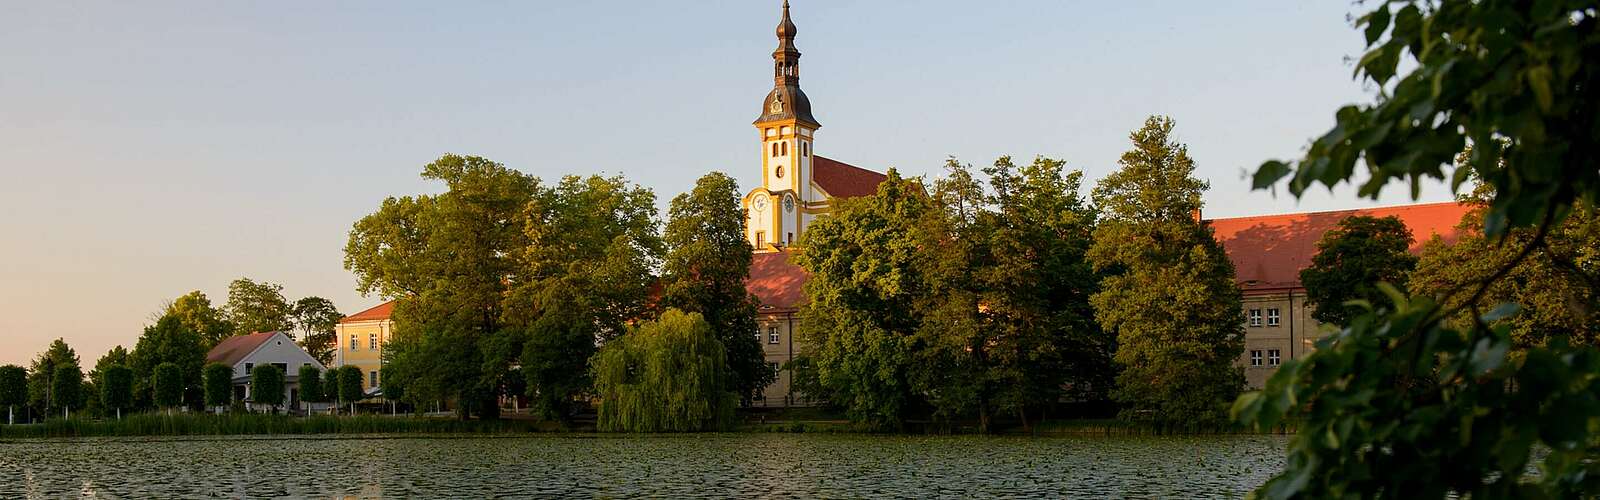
1255	358
790	241
786	149
805	149
372	341
774	367
249	367
761	242
1272	316
772	335
282	367
774	150
352	341
778	171
372	378
758	333
1255	317
1273	357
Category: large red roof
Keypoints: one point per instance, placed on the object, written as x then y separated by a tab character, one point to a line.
776	282
379	312
1269	251
843	180
235	348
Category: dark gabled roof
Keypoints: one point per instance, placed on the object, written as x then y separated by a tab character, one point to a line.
379	312
233	349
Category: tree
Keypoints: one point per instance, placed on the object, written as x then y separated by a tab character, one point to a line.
41	376
13	390
1169	293
1358	252
707	263
193	310
117	356
668	375
1555	298
267	386
258	307
218	380
865	277
1406	402
315	318
116	388
168	382
330	388
350	386
67	387
554	358
310	379
168	341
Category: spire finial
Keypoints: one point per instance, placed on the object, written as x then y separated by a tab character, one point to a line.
786	29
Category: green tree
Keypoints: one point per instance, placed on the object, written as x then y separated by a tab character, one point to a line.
706	265
1555	285
267	386
117	356
13	390
218	380
41	376
310	380
168	381
668	375
258	307
315	318
350	386
866	277
1406	402
168	341
1169	293
67	387
330	387
194	311
555	356
1357	253
116	388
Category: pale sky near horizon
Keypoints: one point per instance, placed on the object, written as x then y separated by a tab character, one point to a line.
148	149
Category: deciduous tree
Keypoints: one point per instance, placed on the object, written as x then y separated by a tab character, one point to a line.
41	376
267	387
116	388
1351	258
168	381
707	263
667	375
218	379
350	386
310	380
258	307
315	318
195	312
67	387
1169	292
13	390
168	341
117	356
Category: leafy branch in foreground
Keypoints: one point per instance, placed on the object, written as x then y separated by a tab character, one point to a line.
1402	402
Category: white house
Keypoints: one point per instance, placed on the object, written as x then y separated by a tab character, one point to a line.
245	352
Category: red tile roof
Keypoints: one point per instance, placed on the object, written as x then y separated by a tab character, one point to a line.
235	348
776	282
1269	251
842	180
381	311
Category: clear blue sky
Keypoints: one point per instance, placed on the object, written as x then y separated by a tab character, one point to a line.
152	148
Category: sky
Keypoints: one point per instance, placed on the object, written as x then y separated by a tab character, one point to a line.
148	149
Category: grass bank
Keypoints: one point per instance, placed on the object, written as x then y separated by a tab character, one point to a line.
255	424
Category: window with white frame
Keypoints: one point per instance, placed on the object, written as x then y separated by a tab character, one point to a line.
1273	357
1273	316
1255	358
1255	317
758	333
772	335
372	341
774	366
352	341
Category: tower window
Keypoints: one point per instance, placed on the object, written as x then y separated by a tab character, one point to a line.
761	239
805	149
779	171
786	149
774	150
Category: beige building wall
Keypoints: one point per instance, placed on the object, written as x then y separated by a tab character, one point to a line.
360	344
776	336
1269	343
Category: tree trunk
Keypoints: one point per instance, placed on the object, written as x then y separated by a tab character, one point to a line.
119	413
11	415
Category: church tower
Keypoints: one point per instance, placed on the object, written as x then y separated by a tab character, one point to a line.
777	211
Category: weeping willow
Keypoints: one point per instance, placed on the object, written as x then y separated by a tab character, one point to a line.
667	375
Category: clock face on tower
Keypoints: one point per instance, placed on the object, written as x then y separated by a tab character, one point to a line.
788	203
760	203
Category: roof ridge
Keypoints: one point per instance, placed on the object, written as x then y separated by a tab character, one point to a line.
1343	210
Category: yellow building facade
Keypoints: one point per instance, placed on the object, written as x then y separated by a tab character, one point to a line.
360	339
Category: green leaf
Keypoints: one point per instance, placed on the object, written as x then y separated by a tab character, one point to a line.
1269	174
1377	22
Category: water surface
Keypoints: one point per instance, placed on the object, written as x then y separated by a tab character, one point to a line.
676	466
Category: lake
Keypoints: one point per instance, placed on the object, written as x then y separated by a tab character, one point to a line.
674	466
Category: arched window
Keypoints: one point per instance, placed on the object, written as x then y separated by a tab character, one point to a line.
779	171
786	149
774	150
805	149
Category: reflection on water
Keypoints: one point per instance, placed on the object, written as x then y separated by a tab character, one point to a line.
714	465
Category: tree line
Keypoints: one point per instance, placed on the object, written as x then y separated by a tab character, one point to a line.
164	368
